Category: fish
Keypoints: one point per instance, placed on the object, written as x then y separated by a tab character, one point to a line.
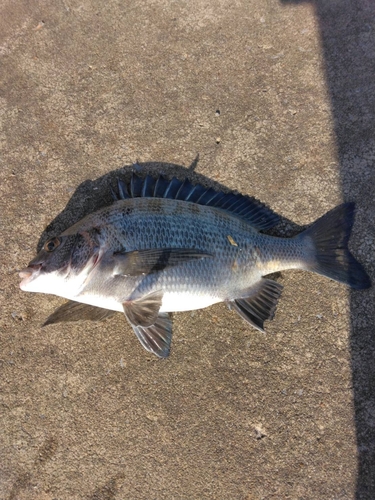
165	246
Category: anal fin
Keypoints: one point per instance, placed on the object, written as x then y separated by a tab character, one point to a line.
258	303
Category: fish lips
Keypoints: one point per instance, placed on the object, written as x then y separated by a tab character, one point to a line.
29	274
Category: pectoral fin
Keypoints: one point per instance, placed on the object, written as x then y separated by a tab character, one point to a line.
149	261
260	303
76	311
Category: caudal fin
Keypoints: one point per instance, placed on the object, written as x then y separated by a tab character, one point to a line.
330	235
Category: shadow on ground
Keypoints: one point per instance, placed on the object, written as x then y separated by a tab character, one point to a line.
347	31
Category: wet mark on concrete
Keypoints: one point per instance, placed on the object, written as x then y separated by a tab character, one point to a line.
46	451
106	492
21	483
24	480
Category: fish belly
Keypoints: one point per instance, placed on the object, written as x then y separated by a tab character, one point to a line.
174	302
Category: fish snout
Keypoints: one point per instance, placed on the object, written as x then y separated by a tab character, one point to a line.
27	273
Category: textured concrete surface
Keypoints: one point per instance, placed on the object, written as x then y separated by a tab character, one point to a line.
277	98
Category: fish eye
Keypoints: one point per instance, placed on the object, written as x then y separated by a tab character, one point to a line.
51	244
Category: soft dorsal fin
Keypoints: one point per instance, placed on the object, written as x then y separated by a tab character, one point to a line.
251	210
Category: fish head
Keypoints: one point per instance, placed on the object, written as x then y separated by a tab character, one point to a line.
62	266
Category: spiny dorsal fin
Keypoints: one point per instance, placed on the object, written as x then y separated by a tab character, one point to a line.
251	210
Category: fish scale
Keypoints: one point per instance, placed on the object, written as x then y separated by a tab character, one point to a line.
166	246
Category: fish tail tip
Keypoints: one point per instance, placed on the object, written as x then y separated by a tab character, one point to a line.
330	235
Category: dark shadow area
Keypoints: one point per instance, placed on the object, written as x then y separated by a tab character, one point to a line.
93	195
347	30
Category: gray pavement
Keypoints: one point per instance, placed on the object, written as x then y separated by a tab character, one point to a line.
277	98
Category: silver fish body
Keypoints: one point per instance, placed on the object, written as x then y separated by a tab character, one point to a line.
237	255
151	255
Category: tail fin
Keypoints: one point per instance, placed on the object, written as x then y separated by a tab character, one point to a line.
330	235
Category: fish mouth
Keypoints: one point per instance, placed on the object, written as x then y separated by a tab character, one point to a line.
28	274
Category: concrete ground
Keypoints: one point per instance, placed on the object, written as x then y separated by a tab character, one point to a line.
277	98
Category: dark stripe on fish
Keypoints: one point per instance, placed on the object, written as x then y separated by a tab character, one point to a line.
153	260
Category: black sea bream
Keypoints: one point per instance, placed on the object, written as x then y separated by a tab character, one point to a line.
167	246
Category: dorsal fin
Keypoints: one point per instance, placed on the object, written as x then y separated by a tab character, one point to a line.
251	210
